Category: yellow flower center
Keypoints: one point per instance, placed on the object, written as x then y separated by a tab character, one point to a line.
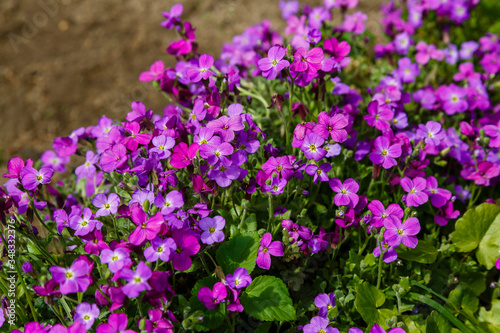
84	223
69	275
274	63
312	147
114	258
203	141
265	249
319	171
86	317
384	215
412	190
107	205
160	250
225	127
279	168
39	177
144	226
400	231
343	191
384	152
161	147
211	230
222	168
275	187
137	279
217	153
236	282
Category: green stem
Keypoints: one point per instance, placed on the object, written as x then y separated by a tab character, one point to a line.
380	260
271	213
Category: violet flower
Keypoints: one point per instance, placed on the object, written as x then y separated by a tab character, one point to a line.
485	171
212	298
380	214
240	278
407	70
390	253
172	201
319	324
268	248
325	302
319	171
307	61
84	224
116	259
183	155
160	249
439	196
76	327
346	192
333	126
312	147
226	126
415	188
88	168
431	133
154	73
214	154
147	228
355	23
107	205
117	323
202	71
276	186
73	279
186	246
31	178
137	281
398	232
162	144
274	63
212	229
378	115
281	165
87	314
172	17
113	158
385	154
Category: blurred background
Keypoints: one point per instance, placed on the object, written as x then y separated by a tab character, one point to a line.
65	63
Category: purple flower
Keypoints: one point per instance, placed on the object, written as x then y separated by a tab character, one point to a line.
116	259
84	224
202	71
216	153
325	303
274	63
402	43
155	72
240	278
223	175
378	115
280	165
73	279
415	188
31	178
333	126
137	281
398	232
107	205
226	126
172	201
377	329
87	169
431	133
319	324
212	298
147	228
385	154
160	249
312	146
390	253
212	229
162	145
27	267
485	171
172	17
113	158
319	171
76	327
117	323
276	187
439	196
307	61
316	17
50	159
268	248
288	8
186	246
346	192
314	36
380	214
467	49
453	99
87	314
407	71
355	23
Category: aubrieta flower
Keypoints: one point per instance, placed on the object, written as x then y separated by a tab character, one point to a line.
186	246
172	201
312	147
147	228
402	43
380	214
378	115
319	171
240	278
202	70
281	165
137	281
346	192
319	324
87	314
485	171
274	63
493	131
183	155
453	99
385	154
117	323
307	61
431	133
73	279
226	126
288	8
407	71
212	229
268	248
113	158
154	73
135	137
355	23
27	267
76	327
107	205
162	144
377	329
216	153
333	126
276	186
172	17
224	175
390	253
84	224
212	298
324	302
160	249
397	232
467	49
416	195
438	196
31	178
116	259
88	168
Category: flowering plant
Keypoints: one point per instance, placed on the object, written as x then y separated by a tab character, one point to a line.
310	182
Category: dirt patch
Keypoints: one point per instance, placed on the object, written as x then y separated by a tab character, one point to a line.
64	63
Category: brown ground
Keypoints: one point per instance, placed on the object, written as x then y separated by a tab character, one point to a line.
64	63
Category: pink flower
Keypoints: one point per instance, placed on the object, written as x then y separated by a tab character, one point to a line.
268	248
415	188
212	298
346	192
398	233
307	61
385	154
73	279
186	246
202	71
274	63
146	228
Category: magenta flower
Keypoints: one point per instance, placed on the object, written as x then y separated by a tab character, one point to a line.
378	115
137	281
355	23
402	43
312	146
493	131
84	224
431	133
307	61
407	70
398	232
155	72
73	279
390	253
146	228
346	192
380	214
223	175
172	201
186	246
268	248
113	158
135	137
276	186
15	166
324	303
212	298
415	188
333	126
162	145
183	155
31	178
87	314
385	154
280	165
319	171
87	169
240	278
274	63
76	327
116	259
173	16
160	249
117	323
226	126
216	153
377	329
202	71
453	99
439	196
107	205
319	324
212	229
138	112
485	171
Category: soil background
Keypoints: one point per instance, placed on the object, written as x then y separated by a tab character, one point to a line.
65	63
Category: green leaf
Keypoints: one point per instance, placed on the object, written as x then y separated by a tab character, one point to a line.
471	228
267	299
424	253
437	323
368	299
489	247
250	224
240	251
208	281
263	328
491	318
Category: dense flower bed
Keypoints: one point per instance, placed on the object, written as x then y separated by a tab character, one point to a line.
310	181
